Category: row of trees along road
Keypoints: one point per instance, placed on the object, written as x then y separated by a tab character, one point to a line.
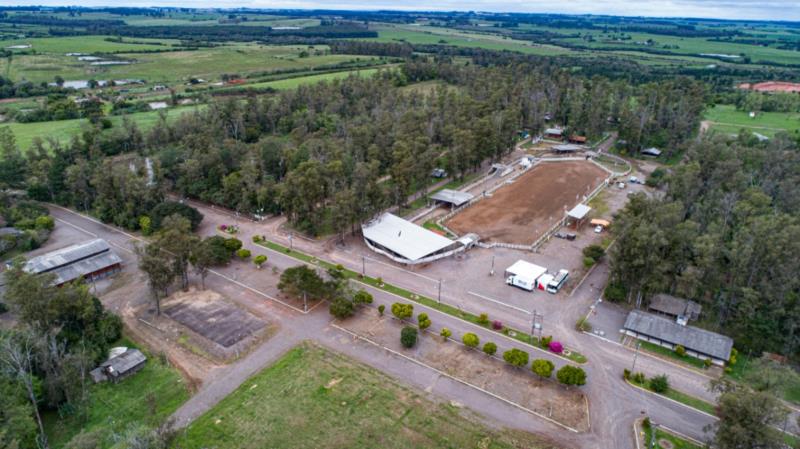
333	154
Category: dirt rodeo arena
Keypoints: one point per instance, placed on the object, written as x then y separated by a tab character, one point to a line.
524	209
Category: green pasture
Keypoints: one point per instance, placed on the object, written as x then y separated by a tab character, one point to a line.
178	66
445	36
726	119
315	398
63	130
88	44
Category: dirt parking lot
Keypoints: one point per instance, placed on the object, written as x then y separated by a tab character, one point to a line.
520	212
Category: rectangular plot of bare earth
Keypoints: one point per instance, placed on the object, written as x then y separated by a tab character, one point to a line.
523	210
212	316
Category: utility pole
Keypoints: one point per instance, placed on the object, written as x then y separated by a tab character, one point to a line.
537	323
291	241
305	302
635	354
363	266
491	272
653	428
440	291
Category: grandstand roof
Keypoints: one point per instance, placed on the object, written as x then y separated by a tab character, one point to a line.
403	237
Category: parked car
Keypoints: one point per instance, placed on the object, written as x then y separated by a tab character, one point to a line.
598	229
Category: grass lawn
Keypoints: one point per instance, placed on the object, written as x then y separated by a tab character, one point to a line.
677	443
293	83
670	354
147	397
746	367
450	310
680	396
314	398
727	119
64	130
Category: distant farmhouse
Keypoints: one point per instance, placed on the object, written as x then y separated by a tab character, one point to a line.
92	260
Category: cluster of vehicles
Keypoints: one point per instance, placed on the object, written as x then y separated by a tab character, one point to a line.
530	277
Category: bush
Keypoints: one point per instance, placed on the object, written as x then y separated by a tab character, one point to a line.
483	319
626	374
615	292
734	357
588	262
243	253
680	350
516	357
545	341
497	325
3	308
381	309
408	337
659	384
470	340
445	333
707	363
646	422
571	375
260	260
362	297
596	252
233	244
256	239
556	347
638	378
342	308
490	348
583	325
146	225
542	368
402	310
423	321
45	222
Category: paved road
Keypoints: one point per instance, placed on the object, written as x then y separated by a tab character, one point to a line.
613	404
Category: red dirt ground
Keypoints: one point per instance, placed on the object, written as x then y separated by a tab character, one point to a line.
772	86
519	213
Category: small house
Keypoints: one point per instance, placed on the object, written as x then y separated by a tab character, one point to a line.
554	133
652	151
675	308
127	362
579	140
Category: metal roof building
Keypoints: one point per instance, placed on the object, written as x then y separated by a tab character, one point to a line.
406	242
665	332
675	307
119	367
579	212
567	148
452	197
91	260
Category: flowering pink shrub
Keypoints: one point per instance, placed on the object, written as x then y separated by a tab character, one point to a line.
556	347
497	325
223	227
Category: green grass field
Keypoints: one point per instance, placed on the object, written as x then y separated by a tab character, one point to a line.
63	130
293	83
88	44
166	67
437	35
726	119
676	442
314	398
748	367
147	397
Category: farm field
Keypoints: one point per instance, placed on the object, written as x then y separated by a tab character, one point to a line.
90	44
147	397
292	83
725	118
177	66
316	398
63	130
522	211
436	35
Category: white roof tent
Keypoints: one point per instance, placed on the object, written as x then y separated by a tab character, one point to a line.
652	151
452	197
525	270
567	148
406	242
579	212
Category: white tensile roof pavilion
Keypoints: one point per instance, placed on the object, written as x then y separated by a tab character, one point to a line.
406	242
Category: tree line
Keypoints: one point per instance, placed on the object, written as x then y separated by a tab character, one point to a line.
726	233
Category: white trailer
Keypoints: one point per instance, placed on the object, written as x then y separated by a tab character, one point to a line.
555	285
524	274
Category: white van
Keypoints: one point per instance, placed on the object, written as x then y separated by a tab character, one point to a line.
555	285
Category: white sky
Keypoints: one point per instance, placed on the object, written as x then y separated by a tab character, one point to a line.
724	9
